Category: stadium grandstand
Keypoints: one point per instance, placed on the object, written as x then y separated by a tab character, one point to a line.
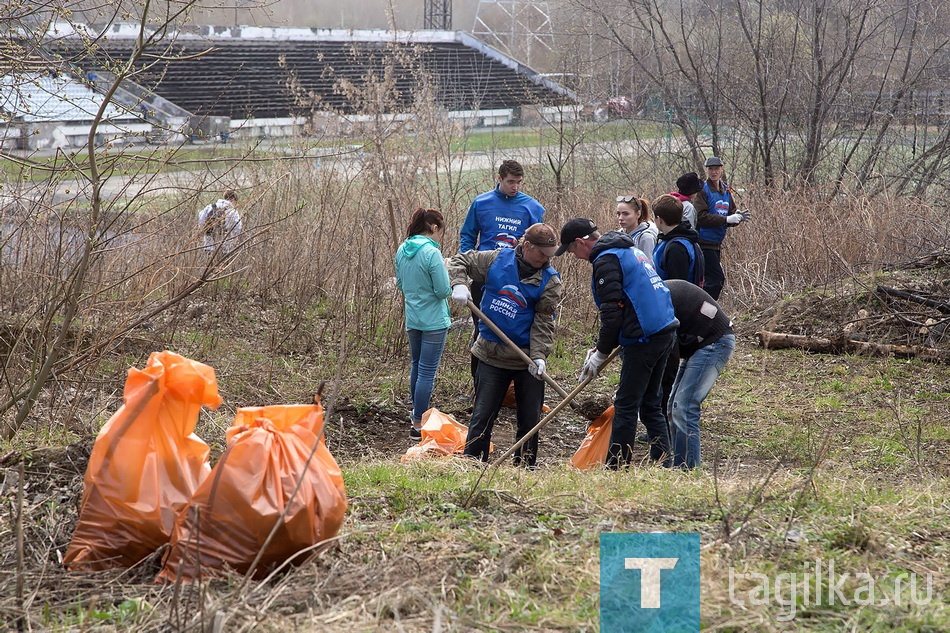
231	82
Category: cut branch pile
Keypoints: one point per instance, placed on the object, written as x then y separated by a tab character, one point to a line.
906	317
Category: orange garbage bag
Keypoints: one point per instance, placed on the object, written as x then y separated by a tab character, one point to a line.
145	464
593	450
510	402
232	514
441	435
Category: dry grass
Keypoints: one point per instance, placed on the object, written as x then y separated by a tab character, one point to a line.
311	283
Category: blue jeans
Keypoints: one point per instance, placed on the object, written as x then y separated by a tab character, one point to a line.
491	385
694	381
426	349
640	391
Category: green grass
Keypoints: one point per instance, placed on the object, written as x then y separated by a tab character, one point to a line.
525	556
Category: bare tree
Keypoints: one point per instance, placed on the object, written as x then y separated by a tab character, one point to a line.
803	92
84	267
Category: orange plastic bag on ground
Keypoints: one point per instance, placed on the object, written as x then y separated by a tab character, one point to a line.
441	435
145	464
233	512
511	403
593	450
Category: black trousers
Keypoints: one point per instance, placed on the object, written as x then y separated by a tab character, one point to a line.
715	277
641	391
490	388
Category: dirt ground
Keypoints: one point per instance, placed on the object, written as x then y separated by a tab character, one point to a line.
352	434
857	309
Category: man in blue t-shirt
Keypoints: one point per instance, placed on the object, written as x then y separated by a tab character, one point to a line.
498	219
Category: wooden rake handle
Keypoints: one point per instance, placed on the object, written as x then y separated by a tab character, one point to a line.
504	337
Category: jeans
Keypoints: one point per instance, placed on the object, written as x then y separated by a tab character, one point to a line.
694	380
640	391
491	384
715	278
426	349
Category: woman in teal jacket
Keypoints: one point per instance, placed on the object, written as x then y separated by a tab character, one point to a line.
424	282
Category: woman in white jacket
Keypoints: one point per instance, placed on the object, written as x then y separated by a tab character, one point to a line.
636	220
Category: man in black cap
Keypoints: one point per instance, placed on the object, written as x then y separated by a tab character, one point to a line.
715	212
636	312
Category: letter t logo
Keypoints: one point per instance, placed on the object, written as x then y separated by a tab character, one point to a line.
649	578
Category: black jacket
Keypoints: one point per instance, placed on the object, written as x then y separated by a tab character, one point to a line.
616	314
702	321
675	262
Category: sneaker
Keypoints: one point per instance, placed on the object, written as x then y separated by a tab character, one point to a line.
414	433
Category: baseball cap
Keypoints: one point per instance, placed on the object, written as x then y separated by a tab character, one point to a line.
713	161
573	229
543	236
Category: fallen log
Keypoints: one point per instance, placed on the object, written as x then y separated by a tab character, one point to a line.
845	345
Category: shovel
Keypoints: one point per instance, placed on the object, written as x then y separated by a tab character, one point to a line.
520	352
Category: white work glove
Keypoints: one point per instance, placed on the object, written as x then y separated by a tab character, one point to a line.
461	294
595	358
537	369
737	217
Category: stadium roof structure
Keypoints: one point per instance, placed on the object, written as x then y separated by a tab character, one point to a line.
252	72
37	98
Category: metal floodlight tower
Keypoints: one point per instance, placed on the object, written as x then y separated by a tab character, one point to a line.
519	28
438	15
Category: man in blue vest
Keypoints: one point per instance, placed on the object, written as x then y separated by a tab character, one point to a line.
715	212
521	293
635	312
498	219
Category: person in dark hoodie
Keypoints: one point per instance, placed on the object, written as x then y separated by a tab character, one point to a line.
706	342
636	312
677	254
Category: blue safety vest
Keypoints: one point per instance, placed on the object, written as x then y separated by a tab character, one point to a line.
719	204
696	273
508	301
646	292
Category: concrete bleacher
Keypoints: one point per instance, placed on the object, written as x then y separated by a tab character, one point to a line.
53	110
286	76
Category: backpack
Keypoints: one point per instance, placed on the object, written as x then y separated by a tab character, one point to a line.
214	221
697	261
